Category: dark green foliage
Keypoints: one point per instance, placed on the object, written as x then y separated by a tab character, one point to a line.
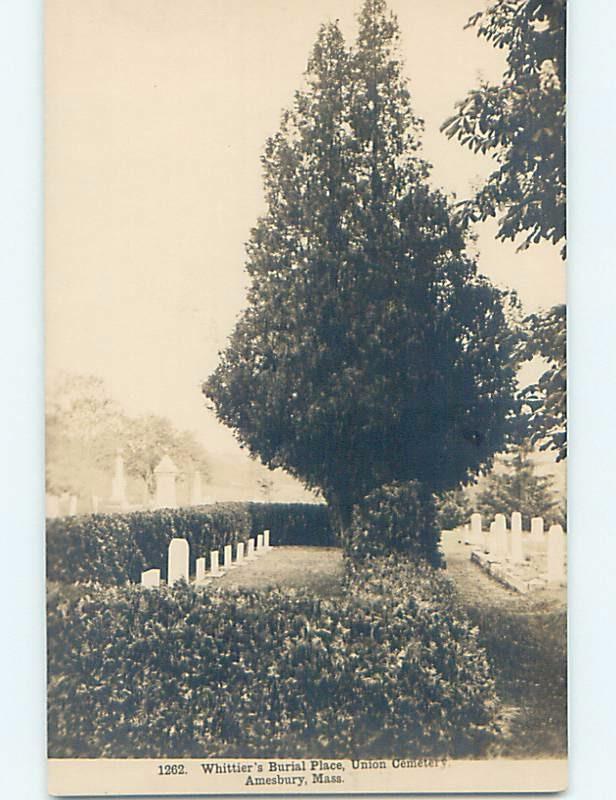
547	399
390	668
519	488
400	517
305	524
371	351
453	509
113	548
98	547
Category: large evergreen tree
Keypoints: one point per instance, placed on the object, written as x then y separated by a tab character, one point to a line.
371	351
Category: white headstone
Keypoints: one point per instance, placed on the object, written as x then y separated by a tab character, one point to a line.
476	537
95	503
150	577
259	543
517	552
490	539
228	556
52	505
118	483
266	539
240	552
536	528
500	536
165	473
200	569
72	505
178	559
214	566
196	491
251	550
556	554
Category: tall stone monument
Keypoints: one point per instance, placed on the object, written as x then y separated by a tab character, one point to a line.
196	489
165	474
118	483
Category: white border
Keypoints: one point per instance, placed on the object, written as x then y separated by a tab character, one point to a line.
592	468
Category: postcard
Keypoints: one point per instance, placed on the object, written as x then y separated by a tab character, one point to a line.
305	396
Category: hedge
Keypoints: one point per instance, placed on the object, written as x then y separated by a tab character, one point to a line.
392	667
396	517
294	523
115	548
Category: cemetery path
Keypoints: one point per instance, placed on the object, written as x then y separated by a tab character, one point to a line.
478	590
316	569
319	569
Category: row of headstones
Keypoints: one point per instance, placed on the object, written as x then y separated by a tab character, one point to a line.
54	505
178	560
496	542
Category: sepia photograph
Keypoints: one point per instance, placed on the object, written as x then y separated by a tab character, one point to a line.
305	406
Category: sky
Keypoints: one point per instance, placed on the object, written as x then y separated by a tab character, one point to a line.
157	113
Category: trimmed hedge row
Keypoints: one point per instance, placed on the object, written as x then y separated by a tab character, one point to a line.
392	667
115	548
293	523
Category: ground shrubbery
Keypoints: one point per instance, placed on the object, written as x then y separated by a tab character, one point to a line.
114	548
399	517
391	667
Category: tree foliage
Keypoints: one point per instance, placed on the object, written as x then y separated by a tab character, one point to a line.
453	509
145	439
85	428
519	488
520	122
371	351
545	400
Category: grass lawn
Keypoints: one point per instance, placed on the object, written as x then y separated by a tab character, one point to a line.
525	637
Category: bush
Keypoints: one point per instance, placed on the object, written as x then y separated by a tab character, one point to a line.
398	517
453	509
113	548
98	547
305	524
390	668
205	527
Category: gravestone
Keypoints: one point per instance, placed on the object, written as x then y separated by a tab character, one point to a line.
214	565
556	555
251	550
52	506
200	569
490	540
500	536
196	490
151	577
118	483
536	529
72	505
228	556
517	552
266	540
259	544
165	474
240	552
95	503
476	534
177	562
